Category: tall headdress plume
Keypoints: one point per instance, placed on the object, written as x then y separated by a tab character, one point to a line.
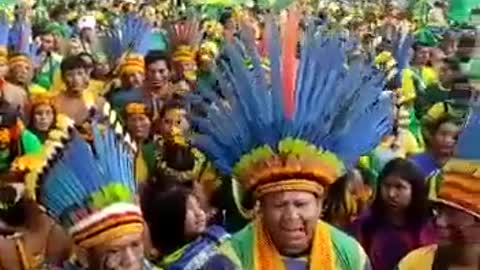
20	42
338	113
4	30
129	42
185	36
90	188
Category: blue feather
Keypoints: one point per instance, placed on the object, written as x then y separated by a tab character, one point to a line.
333	102
76	172
469	140
4	29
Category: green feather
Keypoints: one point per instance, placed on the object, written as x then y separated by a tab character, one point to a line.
112	193
259	153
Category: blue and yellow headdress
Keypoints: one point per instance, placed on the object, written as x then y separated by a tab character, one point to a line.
90	188
20	43
129	42
302	130
4	30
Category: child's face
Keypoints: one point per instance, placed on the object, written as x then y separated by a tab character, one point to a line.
176	117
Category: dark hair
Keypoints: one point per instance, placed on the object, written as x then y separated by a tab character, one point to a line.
226	16
154	56
164	205
172	104
178	157
432	127
419	209
71	63
87	55
335	200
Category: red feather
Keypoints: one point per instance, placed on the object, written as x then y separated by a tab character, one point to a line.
290	35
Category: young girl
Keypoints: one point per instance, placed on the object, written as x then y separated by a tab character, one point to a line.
399	219
185	241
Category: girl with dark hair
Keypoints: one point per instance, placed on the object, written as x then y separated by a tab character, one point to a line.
178	225
399	219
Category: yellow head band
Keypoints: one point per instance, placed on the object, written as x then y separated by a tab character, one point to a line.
184	53
18	59
132	63
3	54
136	108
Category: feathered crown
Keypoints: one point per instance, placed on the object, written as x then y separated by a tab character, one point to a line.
185	36
20	42
4	30
458	182
90	189
301	131
129	42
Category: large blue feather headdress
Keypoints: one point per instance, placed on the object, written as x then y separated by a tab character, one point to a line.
19	41
4	30
298	127
85	186
131	38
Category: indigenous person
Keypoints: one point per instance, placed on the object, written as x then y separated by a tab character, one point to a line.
29	238
457	208
283	171
77	102
131	69
92	193
11	93
42	115
139	125
399	220
157	80
15	139
185	241
442	135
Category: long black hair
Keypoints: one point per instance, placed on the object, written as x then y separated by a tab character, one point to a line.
164	205
419	209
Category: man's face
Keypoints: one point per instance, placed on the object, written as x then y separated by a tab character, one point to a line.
48	42
157	74
290	217
124	253
456	227
21	73
76	80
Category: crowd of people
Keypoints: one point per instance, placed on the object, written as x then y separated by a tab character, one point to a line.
240	135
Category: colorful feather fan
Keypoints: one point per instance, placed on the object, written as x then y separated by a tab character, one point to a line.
132	36
4	29
468	146
337	112
402	44
83	184
20	40
185	36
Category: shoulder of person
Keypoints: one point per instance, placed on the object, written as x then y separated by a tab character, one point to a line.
14	89
421	258
348	251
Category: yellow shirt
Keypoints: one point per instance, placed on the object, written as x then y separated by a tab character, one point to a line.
408	91
419	259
